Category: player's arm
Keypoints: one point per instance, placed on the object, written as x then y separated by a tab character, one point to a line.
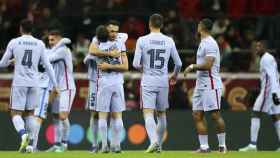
177	64
176	58
48	67
123	66
88	58
123	37
58	55
94	50
270	71
5	61
209	60
137	60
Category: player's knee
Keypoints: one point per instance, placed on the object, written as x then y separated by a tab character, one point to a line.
63	115
29	112
94	115
116	115
148	112
161	113
275	118
197	116
215	115
15	112
102	115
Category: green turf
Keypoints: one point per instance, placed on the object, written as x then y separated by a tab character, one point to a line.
141	154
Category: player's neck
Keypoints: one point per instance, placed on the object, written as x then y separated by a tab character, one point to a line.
27	34
155	30
204	35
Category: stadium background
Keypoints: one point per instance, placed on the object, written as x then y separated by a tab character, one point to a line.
237	25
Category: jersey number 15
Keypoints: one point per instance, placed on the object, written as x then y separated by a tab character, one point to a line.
155	56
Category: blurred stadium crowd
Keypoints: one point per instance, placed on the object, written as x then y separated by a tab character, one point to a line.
237	24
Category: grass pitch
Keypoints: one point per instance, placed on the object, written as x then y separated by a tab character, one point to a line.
141	154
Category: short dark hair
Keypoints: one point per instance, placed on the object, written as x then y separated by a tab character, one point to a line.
102	33
26	26
207	24
55	33
264	43
156	20
113	22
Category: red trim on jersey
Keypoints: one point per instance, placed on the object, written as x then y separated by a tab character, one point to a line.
69	101
66	76
217	99
97	88
211	79
265	91
11	98
141	100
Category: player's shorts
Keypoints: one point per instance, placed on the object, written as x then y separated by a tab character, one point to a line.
63	102
206	99
41	109
110	99
23	98
154	98
264	103
91	100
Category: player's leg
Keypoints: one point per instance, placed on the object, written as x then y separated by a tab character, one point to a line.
91	105
275	115
104	96
94	128
220	130
161	106
117	107
161	126
31	104
17	105
258	109
116	128
199	120
40	114
57	124
148	99
213	97
38	123
103	130
30	127
65	105
276	122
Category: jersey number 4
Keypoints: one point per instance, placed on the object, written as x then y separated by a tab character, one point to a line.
27	58
155	56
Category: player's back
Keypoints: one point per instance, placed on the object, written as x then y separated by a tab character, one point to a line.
269	72
27	52
62	60
210	79
110	77
156	51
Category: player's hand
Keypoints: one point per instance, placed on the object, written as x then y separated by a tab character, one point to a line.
55	92
173	79
188	70
114	53
275	99
103	66
12	61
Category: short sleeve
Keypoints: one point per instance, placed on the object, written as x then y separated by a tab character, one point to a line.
210	49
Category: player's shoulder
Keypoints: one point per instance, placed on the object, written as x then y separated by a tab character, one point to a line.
209	42
122	37
267	58
168	39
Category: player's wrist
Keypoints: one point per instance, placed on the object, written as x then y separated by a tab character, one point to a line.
192	67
